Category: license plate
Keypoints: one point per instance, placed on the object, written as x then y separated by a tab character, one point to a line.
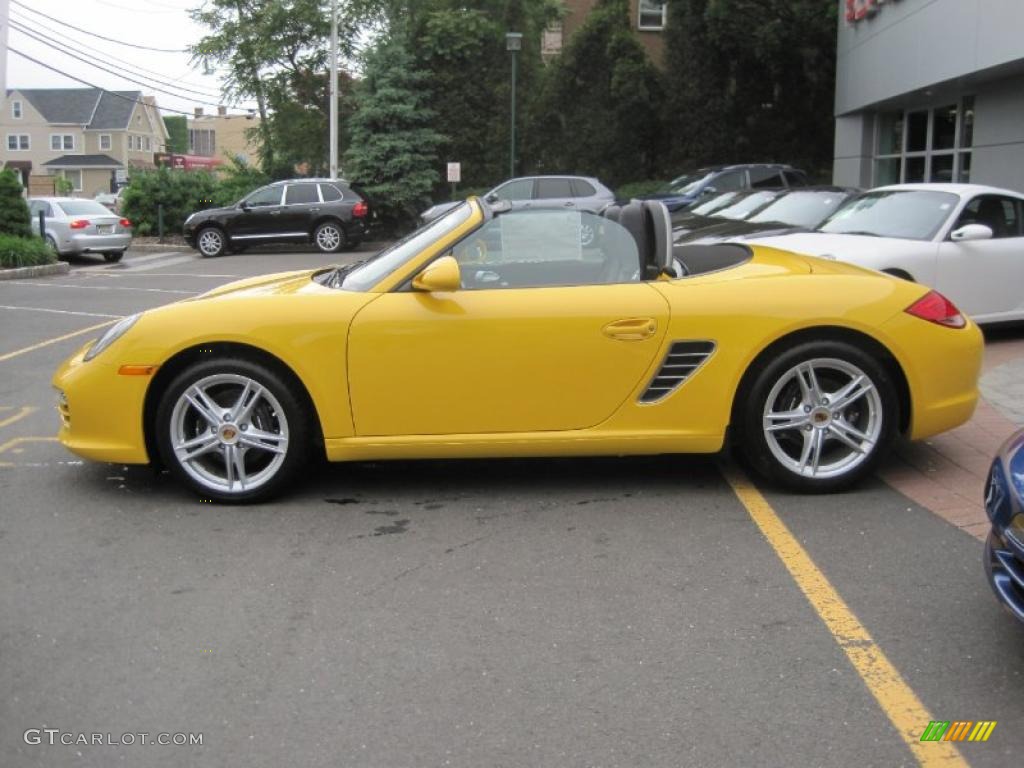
106	229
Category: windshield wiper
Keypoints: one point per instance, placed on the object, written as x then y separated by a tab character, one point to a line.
858	232
335	277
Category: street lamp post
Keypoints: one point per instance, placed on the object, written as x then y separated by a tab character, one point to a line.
513	44
334	89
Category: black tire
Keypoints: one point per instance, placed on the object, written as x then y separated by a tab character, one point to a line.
268	474
113	257
329	237
53	245
794	456
211	242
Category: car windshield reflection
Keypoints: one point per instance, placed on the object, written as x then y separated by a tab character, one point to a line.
906	214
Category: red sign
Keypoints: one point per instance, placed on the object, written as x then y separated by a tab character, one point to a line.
187	162
856	10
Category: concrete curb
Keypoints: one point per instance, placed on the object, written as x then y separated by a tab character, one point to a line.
60	268
162	247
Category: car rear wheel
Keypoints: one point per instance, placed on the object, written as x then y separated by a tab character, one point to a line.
210	242
819	417
233	430
329	237
113	256
52	245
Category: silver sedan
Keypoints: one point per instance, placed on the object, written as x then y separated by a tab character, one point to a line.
75	226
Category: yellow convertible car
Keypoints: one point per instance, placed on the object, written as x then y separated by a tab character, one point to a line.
491	333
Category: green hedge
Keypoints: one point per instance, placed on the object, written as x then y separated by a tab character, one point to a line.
637	188
24	252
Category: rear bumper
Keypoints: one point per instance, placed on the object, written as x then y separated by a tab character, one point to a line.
94	243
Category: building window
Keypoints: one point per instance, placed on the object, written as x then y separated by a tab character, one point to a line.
16	110
651	14
202	141
62	142
146	142
75	177
18	142
105	142
932	145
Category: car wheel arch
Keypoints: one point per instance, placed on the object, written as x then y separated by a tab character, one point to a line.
902	274
857	338
182	359
326	219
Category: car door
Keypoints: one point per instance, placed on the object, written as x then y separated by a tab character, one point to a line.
544	336
518	192
301	205
984	277
554	193
258	215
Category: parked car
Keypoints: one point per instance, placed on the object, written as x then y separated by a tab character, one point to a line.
1004	502
583	193
441	347
965	240
75	226
692	187
111	200
794	210
730	206
328	213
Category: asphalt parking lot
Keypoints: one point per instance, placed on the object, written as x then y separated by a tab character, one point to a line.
600	612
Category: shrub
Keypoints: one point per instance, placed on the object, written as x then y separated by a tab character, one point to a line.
24	251
179	192
637	188
14	217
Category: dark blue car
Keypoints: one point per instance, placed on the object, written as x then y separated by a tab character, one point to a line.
685	190
1004	502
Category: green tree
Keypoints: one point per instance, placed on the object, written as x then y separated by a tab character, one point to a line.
178	193
599	111
177	131
751	80
14	216
393	153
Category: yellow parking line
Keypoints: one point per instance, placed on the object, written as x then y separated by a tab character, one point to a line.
899	702
14	442
16	417
48	342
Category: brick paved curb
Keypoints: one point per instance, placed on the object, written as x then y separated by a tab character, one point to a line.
1003	387
60	268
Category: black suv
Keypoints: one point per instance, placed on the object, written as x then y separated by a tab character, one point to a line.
325	212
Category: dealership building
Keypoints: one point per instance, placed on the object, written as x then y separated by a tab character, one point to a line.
930	90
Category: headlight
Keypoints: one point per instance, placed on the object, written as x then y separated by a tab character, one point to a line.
114	332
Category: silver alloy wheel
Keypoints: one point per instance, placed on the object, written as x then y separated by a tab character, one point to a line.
586	234
328	237
823	418
229	433
211	242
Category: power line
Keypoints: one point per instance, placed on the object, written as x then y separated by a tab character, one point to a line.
101	37
98	88
141	81
88	50
62	47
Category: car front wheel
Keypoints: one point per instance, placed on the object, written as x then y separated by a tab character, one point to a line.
233	430
211	242
819	417
329	237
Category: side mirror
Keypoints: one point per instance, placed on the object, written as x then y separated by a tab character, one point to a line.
491	198
971	232
442	276
244	205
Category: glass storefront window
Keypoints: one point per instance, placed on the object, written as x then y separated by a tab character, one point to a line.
965	167
942	168
967	124
944	128
890	134
887	171
917	131
915	170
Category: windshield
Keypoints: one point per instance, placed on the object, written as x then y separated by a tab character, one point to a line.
907	214
801	209
686	183
368	274
719	201
747	205
82	208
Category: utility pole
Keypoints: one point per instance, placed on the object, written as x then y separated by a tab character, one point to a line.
334	89
5	7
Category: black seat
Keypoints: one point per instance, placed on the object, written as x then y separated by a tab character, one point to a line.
992	215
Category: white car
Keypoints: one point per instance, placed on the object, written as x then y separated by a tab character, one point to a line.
964	240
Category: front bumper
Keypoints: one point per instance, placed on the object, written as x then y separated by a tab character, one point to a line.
101	412
1004	565
1004	504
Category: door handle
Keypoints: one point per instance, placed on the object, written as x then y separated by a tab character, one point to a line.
314	210
569	205
275	213
631	329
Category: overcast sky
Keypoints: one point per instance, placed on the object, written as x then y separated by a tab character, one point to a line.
153	23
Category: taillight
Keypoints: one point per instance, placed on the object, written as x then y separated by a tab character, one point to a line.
79	224
126	224
936	308
360	209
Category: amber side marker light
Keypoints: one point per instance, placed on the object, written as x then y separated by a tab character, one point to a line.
137	370
936	308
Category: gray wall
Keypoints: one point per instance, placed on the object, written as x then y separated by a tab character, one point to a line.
999	134
911	44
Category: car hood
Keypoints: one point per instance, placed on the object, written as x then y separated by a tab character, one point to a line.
859	249
212	212
664	196
736	230
279	283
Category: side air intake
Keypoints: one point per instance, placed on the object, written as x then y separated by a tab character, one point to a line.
683	358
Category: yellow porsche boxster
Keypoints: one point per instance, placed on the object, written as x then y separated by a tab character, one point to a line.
491	333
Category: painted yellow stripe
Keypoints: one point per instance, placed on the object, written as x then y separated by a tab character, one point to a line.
988	731
48	342
16	417
900	704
